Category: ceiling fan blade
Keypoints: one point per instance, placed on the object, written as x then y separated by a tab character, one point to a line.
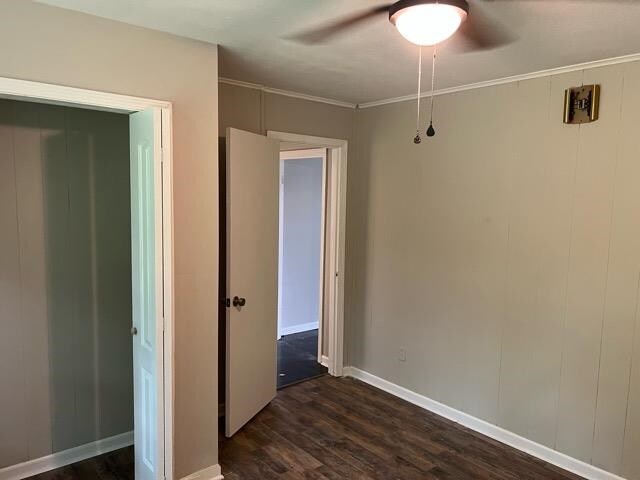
325	32
481	32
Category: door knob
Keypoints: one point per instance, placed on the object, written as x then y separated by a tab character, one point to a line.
134	331
239	301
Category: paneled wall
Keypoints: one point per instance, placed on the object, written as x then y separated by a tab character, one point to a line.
504	256
63	47
65	279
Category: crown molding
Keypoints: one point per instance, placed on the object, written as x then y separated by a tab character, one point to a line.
286	93
443	91
515	78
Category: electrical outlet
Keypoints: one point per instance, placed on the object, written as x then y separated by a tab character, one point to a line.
402	355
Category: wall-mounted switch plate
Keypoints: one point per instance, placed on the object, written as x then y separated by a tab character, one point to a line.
402	355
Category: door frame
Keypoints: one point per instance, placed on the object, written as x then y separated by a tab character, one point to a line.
336	223
298	155
25	90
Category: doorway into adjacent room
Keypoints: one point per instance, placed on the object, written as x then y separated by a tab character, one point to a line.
302	220
252	290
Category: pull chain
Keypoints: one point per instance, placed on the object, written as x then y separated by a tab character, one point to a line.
417	138
431	131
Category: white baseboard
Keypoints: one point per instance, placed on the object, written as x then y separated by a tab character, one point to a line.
542	452
325	361
66	457
303	327
214	472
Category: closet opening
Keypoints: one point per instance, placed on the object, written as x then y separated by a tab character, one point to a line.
84	301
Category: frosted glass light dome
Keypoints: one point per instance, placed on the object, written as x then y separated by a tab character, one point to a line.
428	23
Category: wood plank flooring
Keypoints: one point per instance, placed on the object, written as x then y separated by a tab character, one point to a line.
338	429
116	465
342	429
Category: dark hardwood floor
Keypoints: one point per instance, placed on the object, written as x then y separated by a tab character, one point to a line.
116	465
298	358
339	428
342	429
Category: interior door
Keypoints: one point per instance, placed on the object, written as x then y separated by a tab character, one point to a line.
147	298
253	172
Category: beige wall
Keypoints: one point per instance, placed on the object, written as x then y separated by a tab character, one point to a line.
256	111
66	363
51	45
503	255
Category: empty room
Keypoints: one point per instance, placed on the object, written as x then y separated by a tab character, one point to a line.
319	239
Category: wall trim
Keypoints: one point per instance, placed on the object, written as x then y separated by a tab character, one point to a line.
542	452
16	89
214	472
66	457
302	327
514	78
324	361
286	93
443	91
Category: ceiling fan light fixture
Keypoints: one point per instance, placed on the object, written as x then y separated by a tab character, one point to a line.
428	22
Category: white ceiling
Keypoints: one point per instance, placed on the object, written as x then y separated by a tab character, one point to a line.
372	62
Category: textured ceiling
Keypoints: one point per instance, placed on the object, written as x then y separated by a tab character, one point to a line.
372	62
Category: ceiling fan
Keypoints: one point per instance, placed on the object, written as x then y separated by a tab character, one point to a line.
422	22
427	23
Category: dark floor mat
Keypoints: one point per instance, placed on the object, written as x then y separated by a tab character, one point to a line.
298	358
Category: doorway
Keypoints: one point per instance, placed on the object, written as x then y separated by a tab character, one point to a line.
301	256
88	280
249	258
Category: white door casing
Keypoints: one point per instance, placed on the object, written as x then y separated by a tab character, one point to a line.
147	292
253	167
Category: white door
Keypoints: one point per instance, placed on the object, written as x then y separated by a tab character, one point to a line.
253	172
146	263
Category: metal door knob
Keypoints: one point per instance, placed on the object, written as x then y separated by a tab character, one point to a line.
134	331
239	301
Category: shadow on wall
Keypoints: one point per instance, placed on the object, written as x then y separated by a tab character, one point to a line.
74	241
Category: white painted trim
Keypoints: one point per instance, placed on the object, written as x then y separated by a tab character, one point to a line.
323	248
306	153
280	242
302	327
169	291
286	93
309	141
444	91
542	452
66	457
324	361
337	180
62	95
213	472
513	78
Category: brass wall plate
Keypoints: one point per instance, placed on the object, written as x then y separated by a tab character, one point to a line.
581	104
